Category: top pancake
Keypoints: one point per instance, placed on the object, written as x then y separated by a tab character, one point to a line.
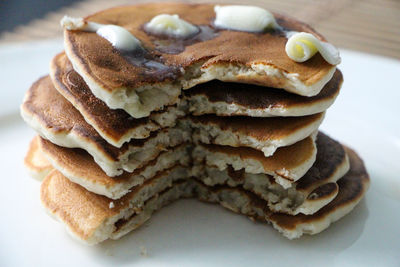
256	58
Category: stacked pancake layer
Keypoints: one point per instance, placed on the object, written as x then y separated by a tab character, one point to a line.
119	140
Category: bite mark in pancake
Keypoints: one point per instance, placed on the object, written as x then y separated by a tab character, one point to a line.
231	56
233	99
70	161
35	162
352	187
114	125
50	114
286	165
310	193
89	218
331	164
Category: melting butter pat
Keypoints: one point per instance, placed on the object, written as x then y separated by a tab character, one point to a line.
244	18
118	36
171	25
301	46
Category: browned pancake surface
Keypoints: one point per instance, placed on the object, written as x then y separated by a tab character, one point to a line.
60	116
114	122
81	210
351	188
80	164
330	154
105	65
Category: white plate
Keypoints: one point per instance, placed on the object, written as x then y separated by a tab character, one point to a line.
190	233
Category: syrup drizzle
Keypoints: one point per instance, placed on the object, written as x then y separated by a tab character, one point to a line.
172	45
150	64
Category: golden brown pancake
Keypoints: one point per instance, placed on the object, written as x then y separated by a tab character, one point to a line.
49	113
310	193
264	134
233	99
71	204
80	168
254	58
114	125
35	162
78	203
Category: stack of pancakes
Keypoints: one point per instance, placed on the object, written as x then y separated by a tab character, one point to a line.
228	119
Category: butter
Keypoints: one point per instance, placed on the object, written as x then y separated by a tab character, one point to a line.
302	46
244	18
171	25
118	36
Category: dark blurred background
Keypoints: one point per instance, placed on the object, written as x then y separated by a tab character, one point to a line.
371	26
18	12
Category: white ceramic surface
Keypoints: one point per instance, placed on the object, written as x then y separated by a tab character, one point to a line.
190	233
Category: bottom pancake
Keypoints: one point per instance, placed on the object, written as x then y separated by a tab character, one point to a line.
72	204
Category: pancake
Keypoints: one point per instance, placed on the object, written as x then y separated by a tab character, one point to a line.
264	134
71	204
55	119
226	56
35	162
235	99
114	125
287	165
79	167
309	194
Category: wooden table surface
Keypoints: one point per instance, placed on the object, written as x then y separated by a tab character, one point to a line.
371	26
